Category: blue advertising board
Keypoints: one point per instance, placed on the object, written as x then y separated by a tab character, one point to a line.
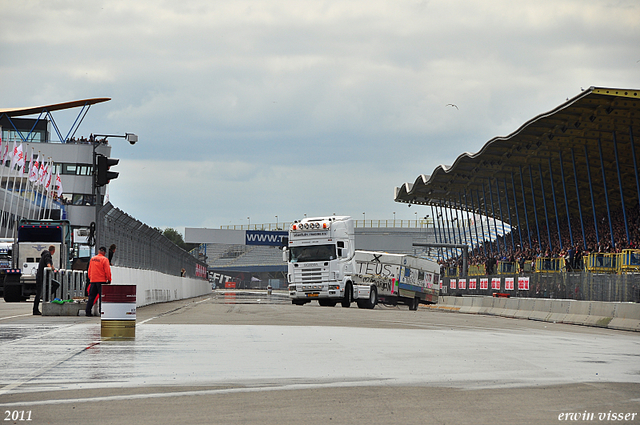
265	237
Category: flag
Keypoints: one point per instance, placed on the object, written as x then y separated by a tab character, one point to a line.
5	152
58	185
12	155
47	180
42	172
33	172
19	156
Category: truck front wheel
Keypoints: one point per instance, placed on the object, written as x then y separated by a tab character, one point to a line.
348	296
12	293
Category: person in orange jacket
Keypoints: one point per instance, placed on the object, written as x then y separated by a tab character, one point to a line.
99	273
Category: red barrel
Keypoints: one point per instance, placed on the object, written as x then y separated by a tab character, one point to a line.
118	311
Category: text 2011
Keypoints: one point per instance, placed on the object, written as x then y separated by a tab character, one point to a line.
17	415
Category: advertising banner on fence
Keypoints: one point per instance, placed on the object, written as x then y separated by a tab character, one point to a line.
523	283
472	284
508	283
462	284
495	283
452	284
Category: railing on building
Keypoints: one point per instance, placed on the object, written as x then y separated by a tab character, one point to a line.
451	271
598	262
397	224
550	265
506	267
629	261
478	270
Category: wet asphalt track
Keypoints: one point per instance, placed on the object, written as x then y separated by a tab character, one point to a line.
253	358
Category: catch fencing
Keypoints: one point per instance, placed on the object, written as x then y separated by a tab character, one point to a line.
577	286
142	247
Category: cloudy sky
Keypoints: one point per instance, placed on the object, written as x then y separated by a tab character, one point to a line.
260	109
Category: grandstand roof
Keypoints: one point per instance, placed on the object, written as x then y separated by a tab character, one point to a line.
542	149
18	112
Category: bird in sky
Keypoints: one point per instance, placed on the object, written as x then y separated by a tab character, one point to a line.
451	104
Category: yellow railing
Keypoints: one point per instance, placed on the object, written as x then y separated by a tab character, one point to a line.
629	261
477	270
599	262
550	265
451	271
506	267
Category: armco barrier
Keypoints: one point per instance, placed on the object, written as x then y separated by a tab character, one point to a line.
613	315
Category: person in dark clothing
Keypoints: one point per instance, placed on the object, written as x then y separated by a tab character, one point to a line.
112	250
46	260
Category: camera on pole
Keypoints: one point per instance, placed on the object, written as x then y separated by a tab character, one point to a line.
103	175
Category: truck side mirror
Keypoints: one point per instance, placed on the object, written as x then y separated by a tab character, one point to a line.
285	254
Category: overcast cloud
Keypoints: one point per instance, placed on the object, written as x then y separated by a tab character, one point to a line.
289	107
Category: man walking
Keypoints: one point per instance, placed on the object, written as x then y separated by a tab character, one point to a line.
99	273
46	260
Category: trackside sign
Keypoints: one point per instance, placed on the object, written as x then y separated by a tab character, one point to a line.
263	237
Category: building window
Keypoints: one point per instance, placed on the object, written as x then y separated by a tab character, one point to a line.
77	169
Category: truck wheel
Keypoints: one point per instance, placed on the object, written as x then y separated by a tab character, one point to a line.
12	293
413	306
373	298
348	296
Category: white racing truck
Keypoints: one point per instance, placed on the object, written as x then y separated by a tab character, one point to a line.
324	265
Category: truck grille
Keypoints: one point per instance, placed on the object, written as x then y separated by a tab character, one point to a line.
310	275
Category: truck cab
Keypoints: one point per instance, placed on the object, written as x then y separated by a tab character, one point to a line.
33	237
320	258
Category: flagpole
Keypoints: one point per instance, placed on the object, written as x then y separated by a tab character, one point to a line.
20	191
31	164
16	160
34	184
12	164
27	188
2	167
43	197
4	201
47	190
49	174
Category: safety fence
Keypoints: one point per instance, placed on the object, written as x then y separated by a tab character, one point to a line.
578	286
142	247
627	261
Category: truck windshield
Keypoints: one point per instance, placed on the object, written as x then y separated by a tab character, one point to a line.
299	254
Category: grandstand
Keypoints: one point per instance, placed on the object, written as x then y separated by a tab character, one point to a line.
565	183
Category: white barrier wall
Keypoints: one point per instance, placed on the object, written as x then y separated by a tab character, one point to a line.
613	315
154	287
